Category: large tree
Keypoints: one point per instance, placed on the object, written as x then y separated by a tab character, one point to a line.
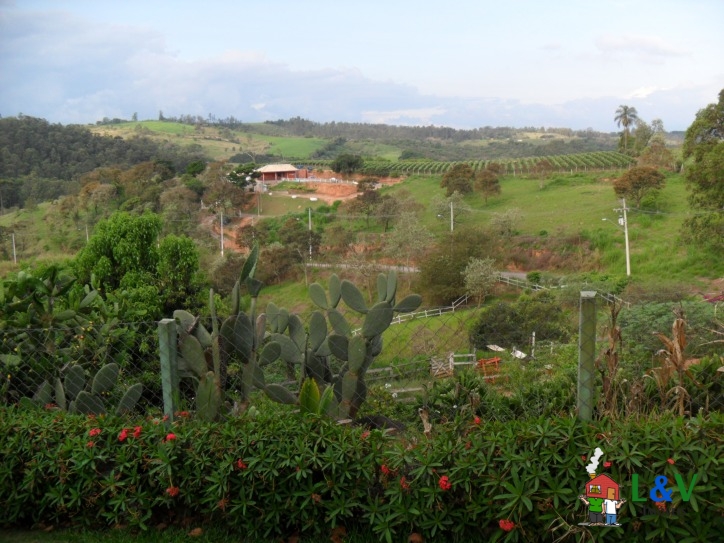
626	116
487	183
704	150
638	182
458	178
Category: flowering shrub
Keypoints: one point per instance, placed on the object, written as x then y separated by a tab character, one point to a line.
274	475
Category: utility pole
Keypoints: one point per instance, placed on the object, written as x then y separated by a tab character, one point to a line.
310	233
625	234
15	258
451	216
221	222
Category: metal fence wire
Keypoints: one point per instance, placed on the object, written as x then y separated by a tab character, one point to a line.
101	366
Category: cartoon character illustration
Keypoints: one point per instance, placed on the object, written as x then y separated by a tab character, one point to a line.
595	509
611	505
599	490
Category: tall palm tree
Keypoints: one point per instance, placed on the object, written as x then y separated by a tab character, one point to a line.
626	116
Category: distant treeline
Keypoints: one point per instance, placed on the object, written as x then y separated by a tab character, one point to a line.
32	146
40	161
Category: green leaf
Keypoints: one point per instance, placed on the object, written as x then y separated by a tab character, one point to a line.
290	352
409	303
249	266
272	315
339	323
280	394
335	291
74	382
357	350
271	352
185	319
318	296
208	398
339	346
309	397
130	399
88	299
377	320
296	332
193	356
60	394
88	404
317	330
391	287
353	297
105	379
381	287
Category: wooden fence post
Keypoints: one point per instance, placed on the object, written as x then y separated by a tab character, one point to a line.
167	346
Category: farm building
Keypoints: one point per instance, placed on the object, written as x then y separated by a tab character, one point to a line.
281	172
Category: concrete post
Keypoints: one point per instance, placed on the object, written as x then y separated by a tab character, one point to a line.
586	355
167	346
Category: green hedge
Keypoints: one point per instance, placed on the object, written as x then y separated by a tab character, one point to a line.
280	473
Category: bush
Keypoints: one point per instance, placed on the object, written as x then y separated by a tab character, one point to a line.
279	473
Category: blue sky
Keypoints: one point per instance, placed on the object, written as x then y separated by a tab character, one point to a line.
466	64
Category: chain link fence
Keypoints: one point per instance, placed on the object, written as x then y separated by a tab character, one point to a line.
51	367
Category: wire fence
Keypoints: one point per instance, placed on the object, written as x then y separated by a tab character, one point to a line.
115	367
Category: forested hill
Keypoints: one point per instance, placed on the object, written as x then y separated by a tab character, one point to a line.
32	146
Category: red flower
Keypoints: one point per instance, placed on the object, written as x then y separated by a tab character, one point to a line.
365	434
671	461
94	432
169	437
50	406
583	457
123	435
404	484
607	464
476	420
90	444
172	491
182	414
137	432
240	464
444	483
385	470
506	525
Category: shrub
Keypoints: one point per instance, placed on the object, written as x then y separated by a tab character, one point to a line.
278	473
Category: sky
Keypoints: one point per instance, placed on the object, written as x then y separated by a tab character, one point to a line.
459	63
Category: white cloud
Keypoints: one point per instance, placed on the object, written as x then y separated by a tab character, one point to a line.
637	45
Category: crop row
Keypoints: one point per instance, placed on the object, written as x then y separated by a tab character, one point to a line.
597	160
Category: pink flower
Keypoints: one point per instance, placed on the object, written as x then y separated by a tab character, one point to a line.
169	437
385	470
241	465
123	435
90	444
506	525
476	420
94	432
365	434
137	432
172	491
607	464
444	483
404	484
671	461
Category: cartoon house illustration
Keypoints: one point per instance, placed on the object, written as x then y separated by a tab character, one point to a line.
599	485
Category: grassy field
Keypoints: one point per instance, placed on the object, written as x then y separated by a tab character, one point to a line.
576	204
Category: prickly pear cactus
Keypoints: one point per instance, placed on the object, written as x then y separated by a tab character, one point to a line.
74	395
356	348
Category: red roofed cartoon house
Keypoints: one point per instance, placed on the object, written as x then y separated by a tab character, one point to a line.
599	485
